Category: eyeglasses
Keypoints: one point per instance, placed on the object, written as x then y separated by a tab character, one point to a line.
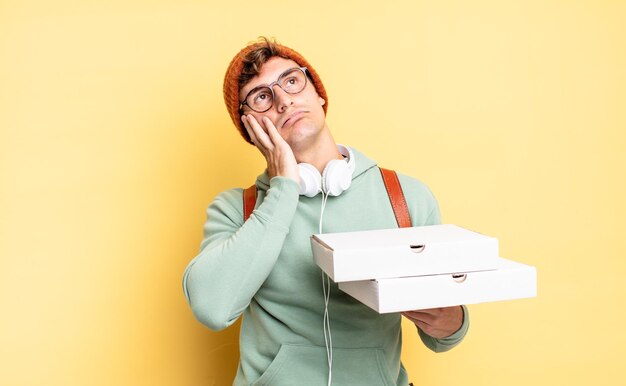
261	99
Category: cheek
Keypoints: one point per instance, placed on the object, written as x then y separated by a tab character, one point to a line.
318	107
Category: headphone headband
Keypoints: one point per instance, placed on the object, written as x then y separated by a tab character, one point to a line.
335	179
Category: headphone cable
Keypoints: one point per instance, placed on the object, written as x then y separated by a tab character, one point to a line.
328	340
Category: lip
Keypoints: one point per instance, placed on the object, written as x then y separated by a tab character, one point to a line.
292	118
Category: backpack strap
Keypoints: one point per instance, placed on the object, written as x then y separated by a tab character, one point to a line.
398	202
392	184
249	201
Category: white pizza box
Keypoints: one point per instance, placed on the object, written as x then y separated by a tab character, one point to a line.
400	252
510	280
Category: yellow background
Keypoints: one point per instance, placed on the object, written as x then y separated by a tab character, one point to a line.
114	139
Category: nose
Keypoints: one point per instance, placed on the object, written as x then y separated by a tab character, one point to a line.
282	99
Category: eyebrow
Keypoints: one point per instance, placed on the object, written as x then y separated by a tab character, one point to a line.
264	84
267	84
252	89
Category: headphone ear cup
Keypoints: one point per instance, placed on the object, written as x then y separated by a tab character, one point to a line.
310	180
336	178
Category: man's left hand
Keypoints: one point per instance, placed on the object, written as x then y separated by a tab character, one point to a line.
437	322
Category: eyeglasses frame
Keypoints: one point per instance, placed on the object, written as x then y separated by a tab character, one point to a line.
271	87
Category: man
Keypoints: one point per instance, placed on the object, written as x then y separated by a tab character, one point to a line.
263	267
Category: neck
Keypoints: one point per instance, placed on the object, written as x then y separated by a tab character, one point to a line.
318	153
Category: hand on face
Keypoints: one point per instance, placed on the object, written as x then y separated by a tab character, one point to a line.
437	322
278	154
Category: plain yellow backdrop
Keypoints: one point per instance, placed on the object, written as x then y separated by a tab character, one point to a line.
114	139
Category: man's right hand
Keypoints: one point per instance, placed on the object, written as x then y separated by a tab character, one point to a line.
277	152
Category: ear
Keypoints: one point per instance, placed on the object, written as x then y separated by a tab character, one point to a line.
322	101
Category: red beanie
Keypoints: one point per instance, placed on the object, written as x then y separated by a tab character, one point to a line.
231	80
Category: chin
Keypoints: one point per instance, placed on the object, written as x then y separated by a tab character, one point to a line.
300	133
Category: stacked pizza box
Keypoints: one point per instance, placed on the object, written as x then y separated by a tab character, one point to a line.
394	270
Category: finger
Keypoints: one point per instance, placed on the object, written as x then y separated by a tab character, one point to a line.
246	124
272	131
260	133
420	313
427	313
431	311
425	327
417	317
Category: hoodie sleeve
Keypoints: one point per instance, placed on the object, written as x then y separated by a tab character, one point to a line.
235	257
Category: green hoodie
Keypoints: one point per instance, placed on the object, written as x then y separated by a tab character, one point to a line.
264	269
